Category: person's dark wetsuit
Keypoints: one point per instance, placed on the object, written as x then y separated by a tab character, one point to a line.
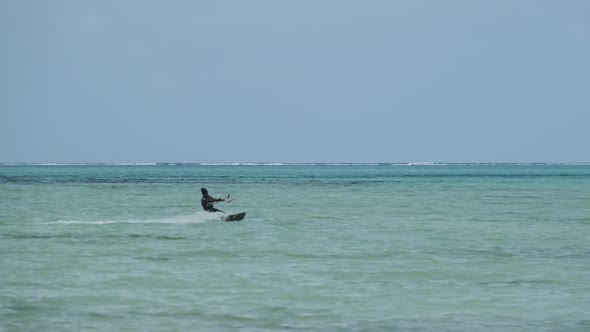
208	202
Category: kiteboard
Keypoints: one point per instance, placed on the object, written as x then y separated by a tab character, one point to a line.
235	217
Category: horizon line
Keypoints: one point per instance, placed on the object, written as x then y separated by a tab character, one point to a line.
416	163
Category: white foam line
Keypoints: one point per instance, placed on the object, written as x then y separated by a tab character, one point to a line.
197	218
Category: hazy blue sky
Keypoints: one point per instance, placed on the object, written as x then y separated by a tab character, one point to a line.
294	81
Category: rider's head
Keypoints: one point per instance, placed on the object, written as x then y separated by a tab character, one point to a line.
204	192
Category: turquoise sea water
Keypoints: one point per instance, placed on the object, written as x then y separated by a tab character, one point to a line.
323	247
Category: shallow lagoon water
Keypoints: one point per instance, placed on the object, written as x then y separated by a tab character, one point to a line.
323	247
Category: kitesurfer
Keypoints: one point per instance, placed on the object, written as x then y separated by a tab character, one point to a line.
208	202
